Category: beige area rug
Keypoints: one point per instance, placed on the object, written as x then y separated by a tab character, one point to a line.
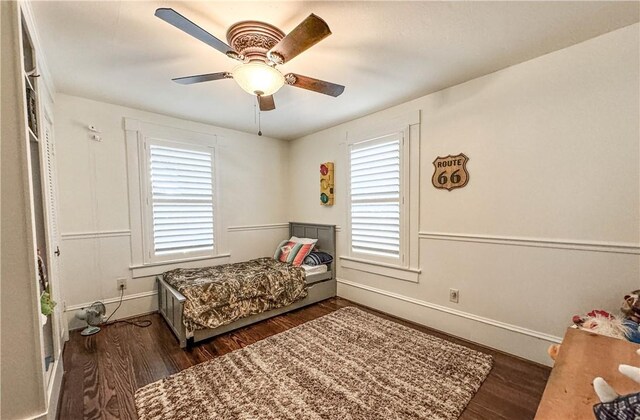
346	365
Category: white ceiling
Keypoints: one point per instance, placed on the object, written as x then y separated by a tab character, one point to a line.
385	53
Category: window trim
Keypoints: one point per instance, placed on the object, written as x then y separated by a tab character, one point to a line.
137	134
154	269
387	270
409	124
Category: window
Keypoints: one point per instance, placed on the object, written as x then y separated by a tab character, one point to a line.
383	171
180	214
173	196
376	199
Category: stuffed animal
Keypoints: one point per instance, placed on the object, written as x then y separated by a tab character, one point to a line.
577	319
631	309
599	322
633	330
614	406
604	323
631	306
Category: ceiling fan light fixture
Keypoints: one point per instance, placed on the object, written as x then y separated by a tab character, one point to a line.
258	78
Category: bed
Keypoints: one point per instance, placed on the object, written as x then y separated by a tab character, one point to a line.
308	285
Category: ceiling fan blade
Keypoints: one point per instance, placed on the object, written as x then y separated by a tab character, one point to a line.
308	33
315	85
176	19
266	103
189	80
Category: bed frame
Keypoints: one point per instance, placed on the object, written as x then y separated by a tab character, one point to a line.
320	286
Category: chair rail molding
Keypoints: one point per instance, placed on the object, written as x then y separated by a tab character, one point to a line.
576	245
269	226
96	234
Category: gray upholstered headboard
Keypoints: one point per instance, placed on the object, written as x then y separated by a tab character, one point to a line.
325	234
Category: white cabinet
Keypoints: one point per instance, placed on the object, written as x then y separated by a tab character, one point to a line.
31	342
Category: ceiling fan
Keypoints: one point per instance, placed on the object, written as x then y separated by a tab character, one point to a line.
260	47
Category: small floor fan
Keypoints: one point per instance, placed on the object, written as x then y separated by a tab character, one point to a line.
93	316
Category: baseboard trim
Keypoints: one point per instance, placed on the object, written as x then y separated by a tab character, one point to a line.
270	226
97	234
488	321
592	246
112	300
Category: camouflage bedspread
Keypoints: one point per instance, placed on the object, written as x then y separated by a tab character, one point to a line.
222	294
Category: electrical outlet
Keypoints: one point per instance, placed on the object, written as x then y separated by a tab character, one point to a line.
122	283
454	295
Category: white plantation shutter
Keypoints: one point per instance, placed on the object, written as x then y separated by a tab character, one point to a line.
51	185
182	206
52	208
375	197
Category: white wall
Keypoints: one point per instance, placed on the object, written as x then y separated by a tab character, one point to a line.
548	225
94	208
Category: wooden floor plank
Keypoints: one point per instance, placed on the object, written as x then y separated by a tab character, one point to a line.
72	381
121	370
103	371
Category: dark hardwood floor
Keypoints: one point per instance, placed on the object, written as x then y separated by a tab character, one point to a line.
103	371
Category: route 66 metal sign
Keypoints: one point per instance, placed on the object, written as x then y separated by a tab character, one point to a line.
450	172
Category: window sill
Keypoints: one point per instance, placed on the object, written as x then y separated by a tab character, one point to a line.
387	270
154	269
